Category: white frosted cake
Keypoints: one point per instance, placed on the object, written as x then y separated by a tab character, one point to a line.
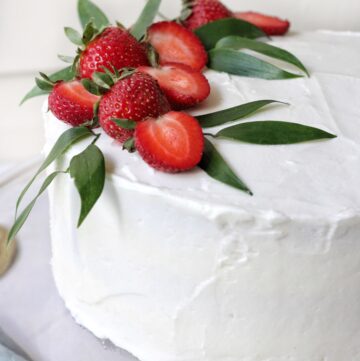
182	267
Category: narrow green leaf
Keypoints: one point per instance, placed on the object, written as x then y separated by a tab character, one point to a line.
91	87
66	139
153	56
216	167
44	85
45	77
74	36
89	33
95	120
212	32
129	145
19	222
75	64
87	11
145	19
63	74
66	59
103	80
88	171
273	133
124	123
232	114
237	42
235	62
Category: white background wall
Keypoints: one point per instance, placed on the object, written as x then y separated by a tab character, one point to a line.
31	34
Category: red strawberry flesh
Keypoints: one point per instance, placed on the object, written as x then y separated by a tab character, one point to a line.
72	103
271	25
173	142
176	44
183	86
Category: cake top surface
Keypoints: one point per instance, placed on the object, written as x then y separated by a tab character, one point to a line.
314	179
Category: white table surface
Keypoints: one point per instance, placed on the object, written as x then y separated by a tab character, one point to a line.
31	312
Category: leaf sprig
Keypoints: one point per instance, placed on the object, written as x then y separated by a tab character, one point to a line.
87	169
225	40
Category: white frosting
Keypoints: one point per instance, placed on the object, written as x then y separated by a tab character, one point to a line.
182	267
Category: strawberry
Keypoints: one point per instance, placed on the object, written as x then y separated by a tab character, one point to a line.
271	25
176	44
113	47
203	12
72	103
134	97
171	143
183	86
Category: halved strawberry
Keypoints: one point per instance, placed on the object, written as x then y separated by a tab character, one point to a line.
134	97
176	44
171	143
183	86
113	47
203	12
271	25
72	103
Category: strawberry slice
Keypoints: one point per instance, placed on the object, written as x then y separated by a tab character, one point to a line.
271	25
176	44
171	143
72	103
183	86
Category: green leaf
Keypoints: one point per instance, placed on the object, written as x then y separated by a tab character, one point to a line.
129	145
88	171
273	133
153	56
88	11
19	222
235	62
231	114
103	80
74	36
216	167
66	139
63	74
124	123
91	87
237	42
66	59
89	33
212	32
145	19
44	85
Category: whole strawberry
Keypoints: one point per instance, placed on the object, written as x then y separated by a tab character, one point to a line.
72	103
200	12
112	47
134	97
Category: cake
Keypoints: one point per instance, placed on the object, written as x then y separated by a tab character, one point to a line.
238	242
182	267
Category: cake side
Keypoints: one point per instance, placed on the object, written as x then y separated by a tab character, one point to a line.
180	267
168	278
